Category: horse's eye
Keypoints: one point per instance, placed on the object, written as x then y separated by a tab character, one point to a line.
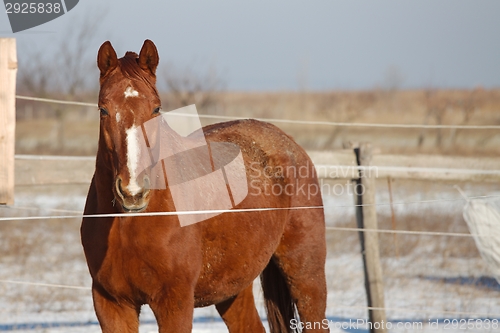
157	110
103	112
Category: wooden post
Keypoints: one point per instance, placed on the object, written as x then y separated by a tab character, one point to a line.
366	217
8	70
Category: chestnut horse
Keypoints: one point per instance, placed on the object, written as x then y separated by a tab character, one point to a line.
136	260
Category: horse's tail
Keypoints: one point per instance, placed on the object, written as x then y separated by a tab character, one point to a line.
280	307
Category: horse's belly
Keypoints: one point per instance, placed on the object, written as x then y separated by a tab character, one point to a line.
219	283
235	253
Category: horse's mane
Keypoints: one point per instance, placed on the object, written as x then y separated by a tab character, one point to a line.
131	70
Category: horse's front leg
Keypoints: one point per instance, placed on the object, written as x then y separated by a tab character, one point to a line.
173	309
114	316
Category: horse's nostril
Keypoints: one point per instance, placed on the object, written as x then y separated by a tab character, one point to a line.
119	188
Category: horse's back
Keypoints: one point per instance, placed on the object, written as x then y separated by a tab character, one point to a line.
269	152
259	141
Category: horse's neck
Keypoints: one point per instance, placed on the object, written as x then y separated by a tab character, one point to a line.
104	180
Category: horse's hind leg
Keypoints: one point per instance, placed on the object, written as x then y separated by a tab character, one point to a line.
301	258
239	313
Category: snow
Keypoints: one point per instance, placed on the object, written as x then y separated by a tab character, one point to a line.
426	284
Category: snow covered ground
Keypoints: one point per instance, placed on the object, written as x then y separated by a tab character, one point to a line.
425	277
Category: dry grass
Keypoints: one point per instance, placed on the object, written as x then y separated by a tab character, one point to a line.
73	130
467	107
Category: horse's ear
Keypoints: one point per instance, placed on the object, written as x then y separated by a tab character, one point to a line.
106	58
148	58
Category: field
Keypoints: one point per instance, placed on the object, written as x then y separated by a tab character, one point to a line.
69	130
426	277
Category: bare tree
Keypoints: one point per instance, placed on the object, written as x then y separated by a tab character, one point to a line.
64	70
61	71
75	55
393	79
436	110
469	105
187	86
34	75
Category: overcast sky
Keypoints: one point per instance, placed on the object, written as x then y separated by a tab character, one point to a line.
299	44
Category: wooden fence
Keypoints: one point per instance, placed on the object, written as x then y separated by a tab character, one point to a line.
341	164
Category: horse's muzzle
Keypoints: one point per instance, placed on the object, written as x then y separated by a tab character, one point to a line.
137	202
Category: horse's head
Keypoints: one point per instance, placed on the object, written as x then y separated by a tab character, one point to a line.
127	99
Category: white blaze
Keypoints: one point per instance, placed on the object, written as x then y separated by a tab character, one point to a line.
133	159
130	92
118	117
